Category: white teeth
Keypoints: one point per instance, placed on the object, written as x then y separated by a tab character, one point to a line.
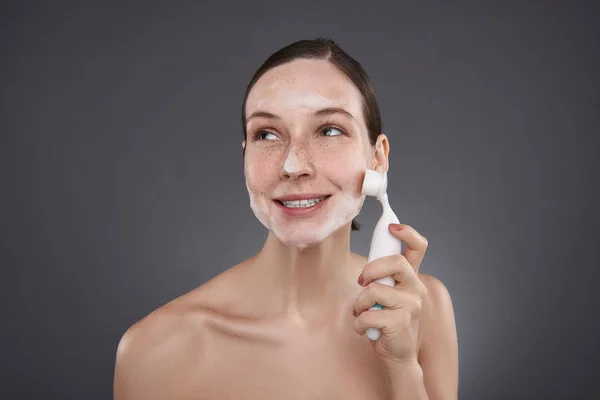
303	203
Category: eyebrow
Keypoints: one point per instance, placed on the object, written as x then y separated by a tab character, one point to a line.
319	113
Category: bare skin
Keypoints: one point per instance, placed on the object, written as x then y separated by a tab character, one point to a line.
280	325
215	343
228	339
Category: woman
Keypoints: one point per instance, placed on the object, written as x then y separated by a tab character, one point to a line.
289	322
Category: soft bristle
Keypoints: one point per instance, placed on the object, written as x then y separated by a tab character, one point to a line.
372	183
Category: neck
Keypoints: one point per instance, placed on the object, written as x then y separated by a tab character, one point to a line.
311	282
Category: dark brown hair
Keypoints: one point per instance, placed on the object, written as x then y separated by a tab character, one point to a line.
326	49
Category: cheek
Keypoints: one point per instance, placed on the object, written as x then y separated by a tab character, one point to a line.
347	168
260	172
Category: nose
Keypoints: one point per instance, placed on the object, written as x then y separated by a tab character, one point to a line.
297	163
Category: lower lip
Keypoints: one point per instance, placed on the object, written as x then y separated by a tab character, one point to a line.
301	211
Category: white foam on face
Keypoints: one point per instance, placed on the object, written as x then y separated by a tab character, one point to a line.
295	99
293	92
292	164
342	207
345	208
259	206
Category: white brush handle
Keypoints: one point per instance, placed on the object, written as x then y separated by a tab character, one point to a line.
383	244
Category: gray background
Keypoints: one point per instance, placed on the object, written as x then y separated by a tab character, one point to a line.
123	181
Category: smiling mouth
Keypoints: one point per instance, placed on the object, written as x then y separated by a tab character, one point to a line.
305	203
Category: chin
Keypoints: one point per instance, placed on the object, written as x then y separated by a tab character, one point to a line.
303	236
302	240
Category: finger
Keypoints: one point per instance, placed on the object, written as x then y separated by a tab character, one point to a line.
396	266
373	319
416	244
388	322
386	296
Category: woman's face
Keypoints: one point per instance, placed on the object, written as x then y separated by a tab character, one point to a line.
306	140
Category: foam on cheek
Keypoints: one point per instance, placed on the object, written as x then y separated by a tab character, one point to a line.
348	204
259	206
350	200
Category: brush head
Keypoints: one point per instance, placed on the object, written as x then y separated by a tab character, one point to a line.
374	183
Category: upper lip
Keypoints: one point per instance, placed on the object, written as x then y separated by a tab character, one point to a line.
304	196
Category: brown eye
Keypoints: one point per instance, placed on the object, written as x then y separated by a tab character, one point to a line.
331	131
262	135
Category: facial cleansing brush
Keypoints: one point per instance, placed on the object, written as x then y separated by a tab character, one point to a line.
382	243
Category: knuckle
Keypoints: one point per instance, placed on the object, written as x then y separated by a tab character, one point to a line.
362	320
416	307
422	291
371	289
361	299
411	305
399	259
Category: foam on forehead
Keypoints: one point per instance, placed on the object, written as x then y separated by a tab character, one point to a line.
304	84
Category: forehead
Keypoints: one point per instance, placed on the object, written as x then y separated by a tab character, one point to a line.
304	85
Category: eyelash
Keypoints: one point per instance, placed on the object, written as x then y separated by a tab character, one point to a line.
257	135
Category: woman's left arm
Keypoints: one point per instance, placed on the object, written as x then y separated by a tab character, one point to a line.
438	349
419	343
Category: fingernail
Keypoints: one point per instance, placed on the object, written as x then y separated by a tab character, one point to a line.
361	280
396	227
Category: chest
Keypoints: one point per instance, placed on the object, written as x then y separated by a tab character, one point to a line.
315	370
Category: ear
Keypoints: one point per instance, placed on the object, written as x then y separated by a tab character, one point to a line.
381	154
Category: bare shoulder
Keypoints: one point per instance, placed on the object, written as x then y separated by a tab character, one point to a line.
438	302
434	286
438	341
153	353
